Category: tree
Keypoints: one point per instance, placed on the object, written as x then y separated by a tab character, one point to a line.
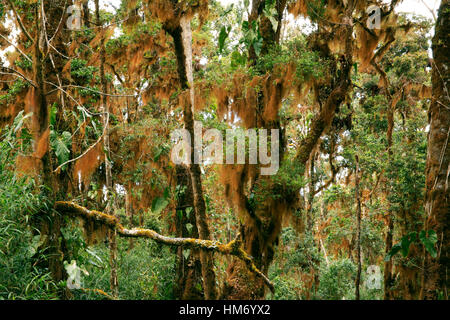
435	275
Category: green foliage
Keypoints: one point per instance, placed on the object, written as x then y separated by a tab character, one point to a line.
16	88
308	64
316	9
160	203
270	11
80	72
20	244
251	36
286	289
146	271
223	35
337	280
23	63
296	253
61	145
289	179
427	238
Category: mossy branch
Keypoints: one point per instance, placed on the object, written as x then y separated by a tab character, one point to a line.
233	248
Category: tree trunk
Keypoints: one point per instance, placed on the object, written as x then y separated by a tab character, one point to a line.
358	228
435	275
189	269
183	50
388	278
108	175
46	68
309	213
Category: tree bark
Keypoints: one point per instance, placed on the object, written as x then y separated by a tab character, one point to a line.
358	229
182	49
388	278
189	270
435	275
114	286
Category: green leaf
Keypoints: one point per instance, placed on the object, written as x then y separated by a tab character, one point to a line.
32	249
166	193
405	247
188	212
406	242
53	112
93	254
61	144
429	242
355	66
180	214
271	13
274	23
395	249
228	10
186	253
245	26
223	35
158	153
159	204
258	45
19	120
237	59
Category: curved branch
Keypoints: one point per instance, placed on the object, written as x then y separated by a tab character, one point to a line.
233	248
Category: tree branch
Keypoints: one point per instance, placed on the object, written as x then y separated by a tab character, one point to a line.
22	27
95	91
17	48
18	74
233	248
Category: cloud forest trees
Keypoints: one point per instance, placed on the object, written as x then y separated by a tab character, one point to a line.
87	114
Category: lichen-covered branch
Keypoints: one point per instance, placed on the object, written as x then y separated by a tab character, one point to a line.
233	248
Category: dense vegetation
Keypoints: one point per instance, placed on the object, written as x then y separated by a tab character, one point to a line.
93	206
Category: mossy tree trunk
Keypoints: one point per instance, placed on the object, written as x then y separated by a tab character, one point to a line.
437	207
206	258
